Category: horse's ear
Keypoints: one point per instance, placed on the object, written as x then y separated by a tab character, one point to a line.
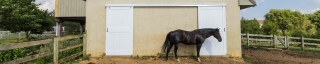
217	29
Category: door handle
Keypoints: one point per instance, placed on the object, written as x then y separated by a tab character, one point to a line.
107	29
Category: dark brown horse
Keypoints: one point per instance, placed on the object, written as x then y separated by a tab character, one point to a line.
195	37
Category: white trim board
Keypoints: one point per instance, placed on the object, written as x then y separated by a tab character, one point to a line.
149	5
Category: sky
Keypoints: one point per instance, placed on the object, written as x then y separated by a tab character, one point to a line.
46	4
258	12
264	6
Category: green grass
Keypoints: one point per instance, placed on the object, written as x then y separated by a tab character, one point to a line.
293	47
247	59
308	50
13	38
257	47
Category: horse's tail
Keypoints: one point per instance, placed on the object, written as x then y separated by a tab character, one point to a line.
166	42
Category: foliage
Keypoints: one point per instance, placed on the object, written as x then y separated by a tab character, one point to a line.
316	35
247	59
23	15
8	55
270	28
250	26
315	18
87	57
13	54
292	23
307	30
136	57
71	27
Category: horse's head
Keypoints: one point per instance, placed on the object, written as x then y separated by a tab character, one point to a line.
216	34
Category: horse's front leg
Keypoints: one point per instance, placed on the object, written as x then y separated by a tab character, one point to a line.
175	51
198	51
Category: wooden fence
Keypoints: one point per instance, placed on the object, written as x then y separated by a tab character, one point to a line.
273	40
55	51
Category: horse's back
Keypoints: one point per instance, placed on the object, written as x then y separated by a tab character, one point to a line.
183	36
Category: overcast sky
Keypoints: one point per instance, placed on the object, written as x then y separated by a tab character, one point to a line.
264	6
46	4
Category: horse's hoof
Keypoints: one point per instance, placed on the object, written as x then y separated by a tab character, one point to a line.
199	59
178	60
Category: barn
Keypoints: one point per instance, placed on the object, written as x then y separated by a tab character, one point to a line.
139	27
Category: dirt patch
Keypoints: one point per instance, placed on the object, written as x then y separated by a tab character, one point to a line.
183	60
258	56
271	56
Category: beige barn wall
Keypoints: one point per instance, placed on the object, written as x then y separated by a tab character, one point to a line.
151	24
151	28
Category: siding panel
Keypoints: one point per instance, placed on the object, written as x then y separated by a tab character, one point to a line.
71	8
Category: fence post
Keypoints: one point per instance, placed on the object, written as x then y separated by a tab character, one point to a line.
275	41
55	50
84	45
302	43
0	34
247	39
271	41
19	37
287	42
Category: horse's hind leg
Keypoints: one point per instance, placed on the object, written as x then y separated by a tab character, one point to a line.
175	51
168	50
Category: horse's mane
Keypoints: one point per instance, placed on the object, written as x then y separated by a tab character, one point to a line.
207	31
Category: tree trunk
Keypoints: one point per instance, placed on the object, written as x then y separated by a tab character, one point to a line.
27	35
81	29
282	32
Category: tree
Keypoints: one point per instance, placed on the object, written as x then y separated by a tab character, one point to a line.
288	22
285	19
315	18
270	28
250	26
71	27
23	15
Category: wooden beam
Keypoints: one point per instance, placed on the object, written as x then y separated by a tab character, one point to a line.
311	39
84	45
295	38
25	44
55	50
70	47
287	42
275	41
56	11
248	39
68	37
302	43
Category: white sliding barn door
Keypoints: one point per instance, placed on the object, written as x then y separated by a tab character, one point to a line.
213	17
119	32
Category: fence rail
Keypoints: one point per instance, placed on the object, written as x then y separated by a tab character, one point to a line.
22	45
55	51
273	39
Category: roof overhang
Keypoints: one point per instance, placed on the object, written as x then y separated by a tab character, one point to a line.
246	4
